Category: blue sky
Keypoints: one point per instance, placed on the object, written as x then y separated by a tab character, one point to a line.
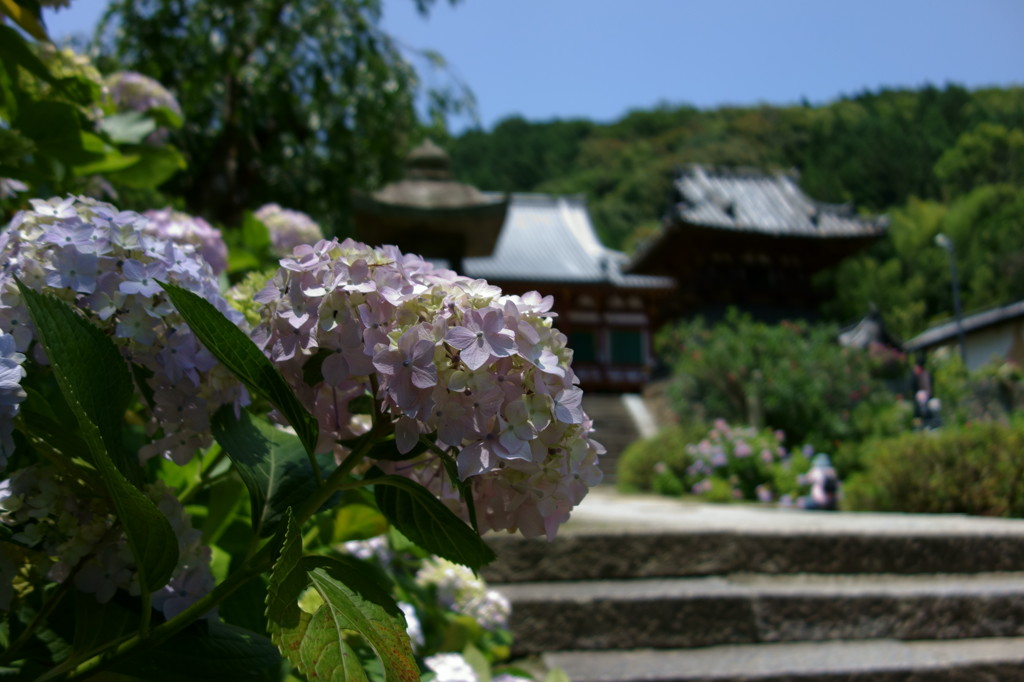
545	59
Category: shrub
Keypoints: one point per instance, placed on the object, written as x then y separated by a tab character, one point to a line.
974	469
993	391
742	457
638	465
792	376
722	463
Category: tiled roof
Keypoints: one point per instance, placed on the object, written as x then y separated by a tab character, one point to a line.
947	330
767	204
550	238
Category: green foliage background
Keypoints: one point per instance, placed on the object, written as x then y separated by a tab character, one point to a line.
934	159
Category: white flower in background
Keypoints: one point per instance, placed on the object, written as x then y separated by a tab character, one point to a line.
451	668
460	590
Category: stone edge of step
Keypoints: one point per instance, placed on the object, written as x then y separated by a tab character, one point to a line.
840	660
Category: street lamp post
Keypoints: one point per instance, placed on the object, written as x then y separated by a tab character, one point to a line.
945	242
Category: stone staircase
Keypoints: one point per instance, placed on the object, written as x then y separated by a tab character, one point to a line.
638	589
617	425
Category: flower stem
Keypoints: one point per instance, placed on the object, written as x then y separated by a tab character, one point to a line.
48	607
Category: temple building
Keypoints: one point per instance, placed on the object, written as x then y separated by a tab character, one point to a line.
749	240
526	242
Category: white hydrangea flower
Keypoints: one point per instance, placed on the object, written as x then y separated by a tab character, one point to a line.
449	667
460	590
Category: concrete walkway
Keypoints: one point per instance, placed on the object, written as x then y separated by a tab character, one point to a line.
606	510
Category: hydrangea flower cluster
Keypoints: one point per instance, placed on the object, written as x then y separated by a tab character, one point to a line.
740	455
62	530
287	228
189	231
460	590
11	392
485	375
10	188
132	91
241	296
101	260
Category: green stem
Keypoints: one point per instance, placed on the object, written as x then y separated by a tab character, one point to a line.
258	563
147	613
335	481
204	476
30	630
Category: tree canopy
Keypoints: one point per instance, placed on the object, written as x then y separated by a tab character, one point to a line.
288	102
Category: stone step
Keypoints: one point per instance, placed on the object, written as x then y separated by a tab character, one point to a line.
615	427
971	660
663	554
751	608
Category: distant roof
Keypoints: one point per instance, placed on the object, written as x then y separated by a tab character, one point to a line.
870	329
548	238
751	201
947	331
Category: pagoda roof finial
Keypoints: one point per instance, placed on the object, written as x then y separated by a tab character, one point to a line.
427	161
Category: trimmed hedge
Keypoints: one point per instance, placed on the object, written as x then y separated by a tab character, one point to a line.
974	469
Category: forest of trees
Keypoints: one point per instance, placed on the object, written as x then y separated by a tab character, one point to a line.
935	160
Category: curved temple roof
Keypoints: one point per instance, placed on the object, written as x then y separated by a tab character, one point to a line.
550	238
769	204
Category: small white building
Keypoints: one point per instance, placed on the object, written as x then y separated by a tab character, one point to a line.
996	334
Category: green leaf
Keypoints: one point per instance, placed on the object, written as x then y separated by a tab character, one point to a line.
46	418
208	650
108	159
347	609
255	235
272	463
55	129
224	497
355	522
97	625
478	662
240	261
155	165
13	47
286	581
131	127
353	601
556	675
238	353
165	117
312	371
426	521
95	382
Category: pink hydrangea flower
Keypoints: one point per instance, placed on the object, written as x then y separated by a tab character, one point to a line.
484	375
288	229
184	230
